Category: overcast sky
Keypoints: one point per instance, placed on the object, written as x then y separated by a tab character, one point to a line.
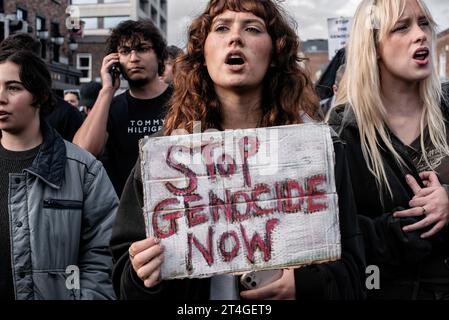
311	15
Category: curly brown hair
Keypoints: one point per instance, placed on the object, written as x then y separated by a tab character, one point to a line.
288	89
136	31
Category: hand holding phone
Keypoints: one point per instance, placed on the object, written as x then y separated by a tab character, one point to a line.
259	279
114	72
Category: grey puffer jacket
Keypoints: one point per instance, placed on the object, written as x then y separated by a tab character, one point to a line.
61	211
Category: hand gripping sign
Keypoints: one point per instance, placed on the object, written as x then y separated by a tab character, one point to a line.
241	200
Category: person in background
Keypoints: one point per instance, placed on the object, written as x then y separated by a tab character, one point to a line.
327	104
241	70
72	97
57	204
324	85
173	53
64	118
391	114
112	131
89	94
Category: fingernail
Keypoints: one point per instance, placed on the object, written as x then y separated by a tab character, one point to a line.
157	240
408	177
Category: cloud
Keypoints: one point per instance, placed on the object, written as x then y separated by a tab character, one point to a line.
180	15
311	16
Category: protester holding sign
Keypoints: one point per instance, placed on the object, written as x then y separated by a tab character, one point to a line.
395	126
241	71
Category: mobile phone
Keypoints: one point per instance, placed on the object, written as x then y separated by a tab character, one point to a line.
259	279
114	72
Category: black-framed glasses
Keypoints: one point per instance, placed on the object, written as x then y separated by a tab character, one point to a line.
140	49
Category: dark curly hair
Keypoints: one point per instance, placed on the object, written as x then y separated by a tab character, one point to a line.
288	89
35	77
134	32
21	41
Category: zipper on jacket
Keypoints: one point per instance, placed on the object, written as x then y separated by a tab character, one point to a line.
62	204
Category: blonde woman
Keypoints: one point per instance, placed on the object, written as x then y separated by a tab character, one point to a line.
390	113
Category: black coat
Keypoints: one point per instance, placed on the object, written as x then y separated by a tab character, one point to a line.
65	118
403	258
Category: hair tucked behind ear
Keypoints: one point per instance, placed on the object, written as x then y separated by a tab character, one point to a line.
35	77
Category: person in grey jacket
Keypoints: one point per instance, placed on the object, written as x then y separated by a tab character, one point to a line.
57	204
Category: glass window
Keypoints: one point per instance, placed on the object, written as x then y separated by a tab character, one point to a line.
164	5
112	22
40	24
90	23
21	14
84	64
84	1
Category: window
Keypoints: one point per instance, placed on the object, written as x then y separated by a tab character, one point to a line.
84	64
2	31
112	22
54	33
84	1
143	4
90	23
164	5
114	1
163	24
154	14
40	24
21	14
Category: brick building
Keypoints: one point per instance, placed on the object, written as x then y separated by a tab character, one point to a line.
46	20
99	17
443	54
316	53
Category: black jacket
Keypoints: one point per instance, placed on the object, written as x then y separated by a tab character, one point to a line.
65	118
337	280
401	257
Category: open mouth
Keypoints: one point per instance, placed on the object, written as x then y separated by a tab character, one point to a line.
235	60
421	54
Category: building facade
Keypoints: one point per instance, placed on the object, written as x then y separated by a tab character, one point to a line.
442	55
99	17
317	56
46	21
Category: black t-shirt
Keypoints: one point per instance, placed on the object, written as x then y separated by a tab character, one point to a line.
130	119
10	162
438	162
65	118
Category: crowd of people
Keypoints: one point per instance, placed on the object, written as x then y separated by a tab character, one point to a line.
71	190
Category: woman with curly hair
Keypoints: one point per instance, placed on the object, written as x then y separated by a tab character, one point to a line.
241	70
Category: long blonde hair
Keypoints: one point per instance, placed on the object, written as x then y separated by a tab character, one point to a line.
360	87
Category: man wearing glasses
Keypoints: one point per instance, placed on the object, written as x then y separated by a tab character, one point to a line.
137	51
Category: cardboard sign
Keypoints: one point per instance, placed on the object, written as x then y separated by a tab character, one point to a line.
240	200
339	31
